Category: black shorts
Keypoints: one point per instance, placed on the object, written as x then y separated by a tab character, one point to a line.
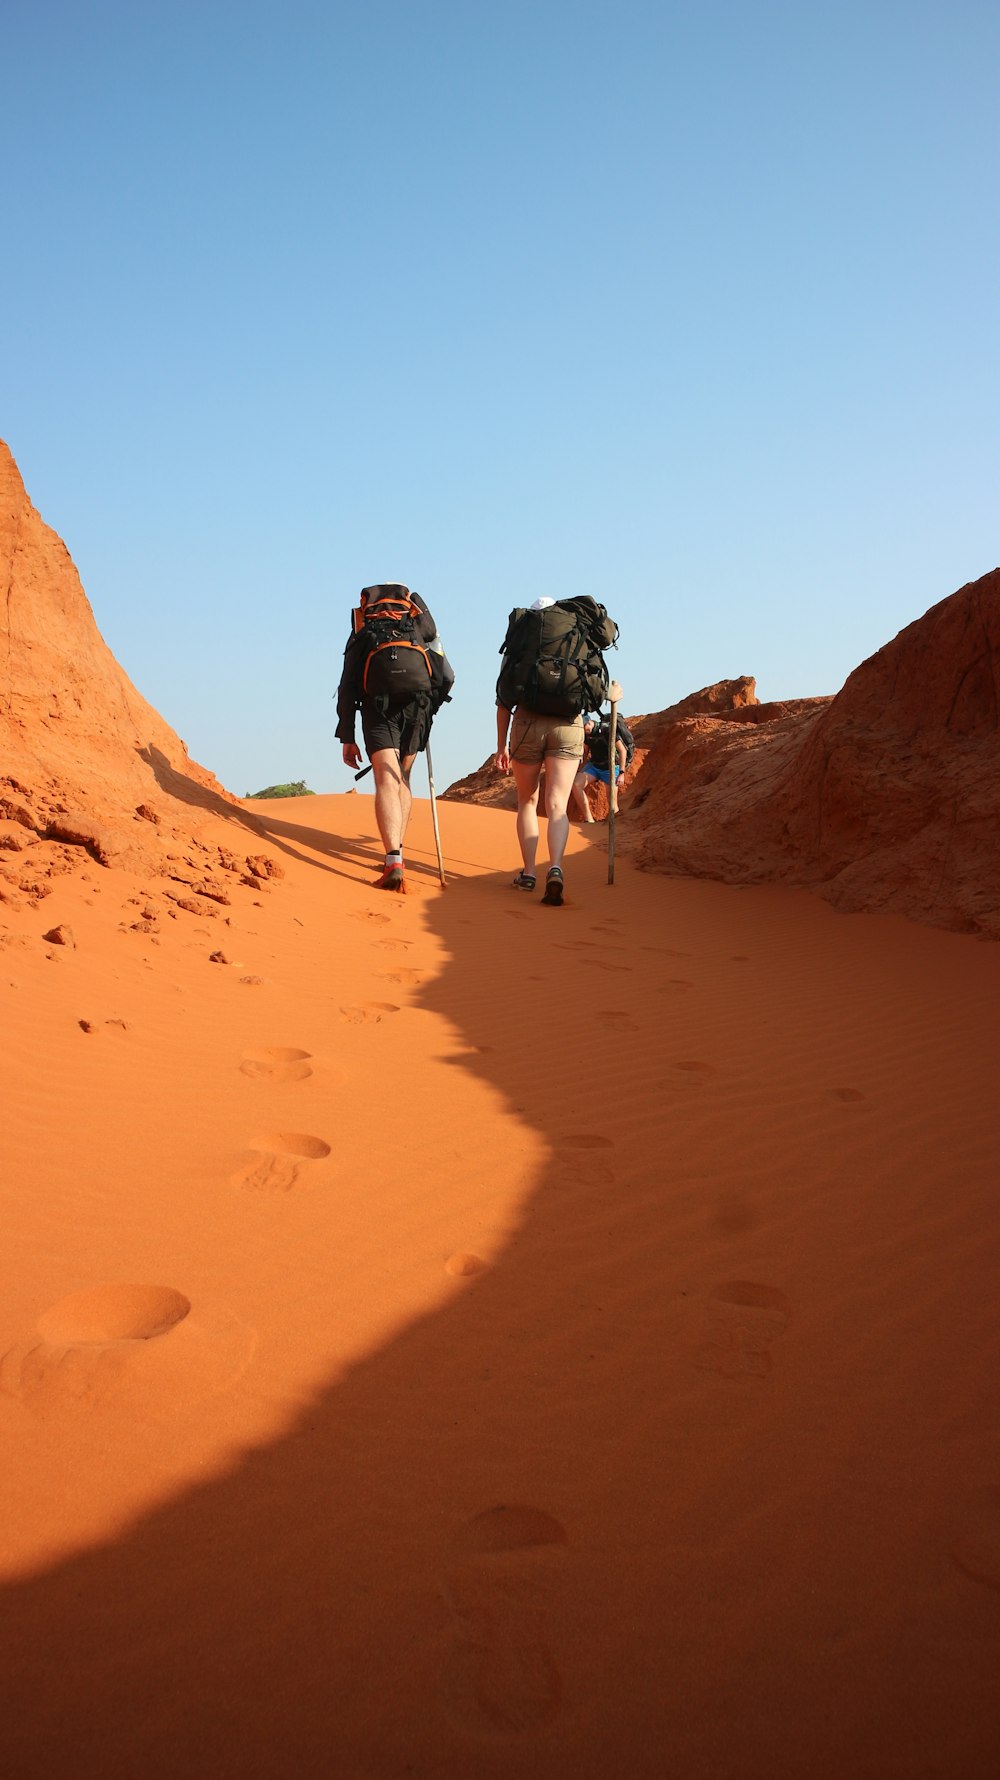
406	730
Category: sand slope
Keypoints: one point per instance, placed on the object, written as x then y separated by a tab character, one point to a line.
456	1337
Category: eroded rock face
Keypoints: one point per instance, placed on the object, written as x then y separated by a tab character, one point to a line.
89	772
886	797
736	698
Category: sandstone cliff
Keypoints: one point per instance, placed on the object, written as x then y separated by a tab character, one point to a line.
89	772
886	797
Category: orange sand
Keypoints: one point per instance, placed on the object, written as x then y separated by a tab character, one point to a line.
499	1340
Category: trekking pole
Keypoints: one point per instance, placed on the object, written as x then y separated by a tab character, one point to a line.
434	813
614	692
365	770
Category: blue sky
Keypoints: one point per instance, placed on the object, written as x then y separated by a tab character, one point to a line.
691	307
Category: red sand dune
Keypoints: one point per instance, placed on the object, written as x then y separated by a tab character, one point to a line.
461	1338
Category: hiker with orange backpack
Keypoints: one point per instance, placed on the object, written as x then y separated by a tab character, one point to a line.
553	670
397	675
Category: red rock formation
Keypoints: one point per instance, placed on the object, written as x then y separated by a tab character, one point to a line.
485	786
736	699
88	770
886	797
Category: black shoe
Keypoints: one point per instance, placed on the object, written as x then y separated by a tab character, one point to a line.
554	887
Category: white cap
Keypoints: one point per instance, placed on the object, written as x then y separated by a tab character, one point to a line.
540	604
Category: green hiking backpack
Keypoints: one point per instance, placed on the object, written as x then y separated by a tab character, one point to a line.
553	660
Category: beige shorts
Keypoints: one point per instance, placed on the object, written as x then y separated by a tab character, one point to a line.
532	737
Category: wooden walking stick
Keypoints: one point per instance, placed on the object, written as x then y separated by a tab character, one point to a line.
614	693
434	813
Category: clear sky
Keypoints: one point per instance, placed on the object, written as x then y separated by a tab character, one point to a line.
689	306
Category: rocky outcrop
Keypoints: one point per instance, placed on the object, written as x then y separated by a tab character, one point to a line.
885	798
734	698
486	786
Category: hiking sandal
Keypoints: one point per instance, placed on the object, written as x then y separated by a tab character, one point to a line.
523	881
393	878
554	887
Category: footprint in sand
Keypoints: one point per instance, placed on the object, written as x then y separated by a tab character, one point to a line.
571	1173
273	1164
974	1543
588	945
135	1349
582	1140
676	984
372	915
617	1020
846	1093
277	1063
114	1313
464	1265
744	1321
369	1013
393	945
500	1677
404	975
734	1215
605	964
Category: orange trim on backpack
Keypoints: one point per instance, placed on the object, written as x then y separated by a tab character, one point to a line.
401	645
388	606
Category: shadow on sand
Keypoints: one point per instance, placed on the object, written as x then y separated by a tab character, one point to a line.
287	837
504	1543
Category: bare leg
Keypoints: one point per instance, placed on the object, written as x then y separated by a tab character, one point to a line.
526	776
393	797
560	773
580	798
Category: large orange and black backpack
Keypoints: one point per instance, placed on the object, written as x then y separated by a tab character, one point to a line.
397	667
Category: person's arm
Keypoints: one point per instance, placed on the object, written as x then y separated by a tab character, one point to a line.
347	703
622	753
502	759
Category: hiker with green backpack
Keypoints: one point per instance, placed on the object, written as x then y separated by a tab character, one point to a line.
553	670
397	675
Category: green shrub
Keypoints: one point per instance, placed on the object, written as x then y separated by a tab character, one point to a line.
298	788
